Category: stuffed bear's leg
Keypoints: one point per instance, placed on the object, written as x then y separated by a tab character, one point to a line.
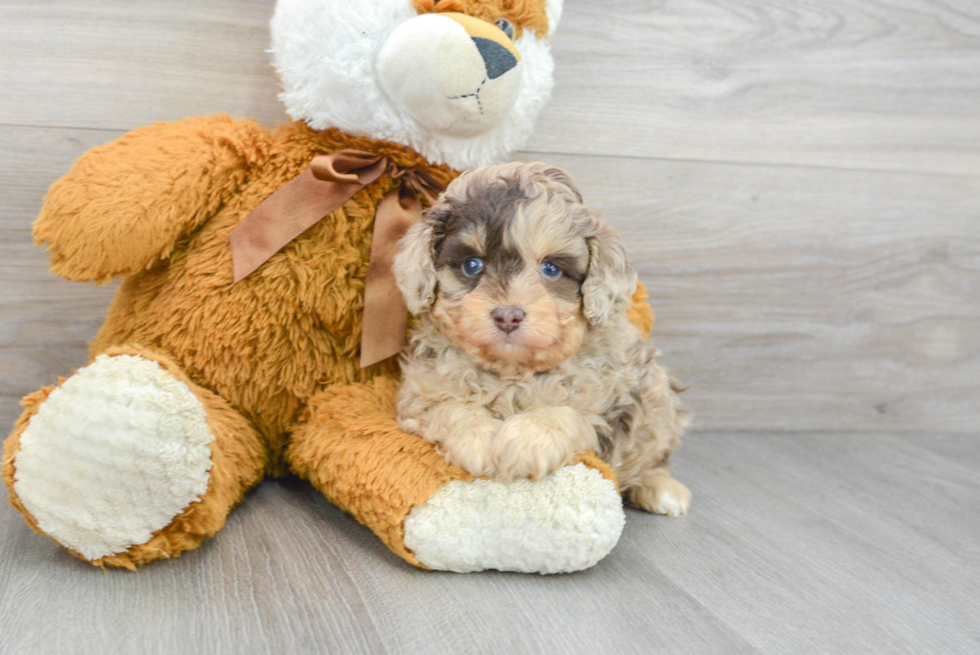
128	461
435	515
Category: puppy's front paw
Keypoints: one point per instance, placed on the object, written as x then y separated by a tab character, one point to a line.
470	451
661	493
466	441
536	443
460	432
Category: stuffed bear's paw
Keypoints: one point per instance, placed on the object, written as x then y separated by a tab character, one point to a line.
536	443
565	522
113	455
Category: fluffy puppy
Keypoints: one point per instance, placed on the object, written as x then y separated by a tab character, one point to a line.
523	356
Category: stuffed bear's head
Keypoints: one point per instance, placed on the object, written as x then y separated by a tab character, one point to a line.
459	81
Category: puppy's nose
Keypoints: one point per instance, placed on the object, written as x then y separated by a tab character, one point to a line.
507	319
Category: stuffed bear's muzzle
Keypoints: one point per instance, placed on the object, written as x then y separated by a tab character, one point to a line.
452	73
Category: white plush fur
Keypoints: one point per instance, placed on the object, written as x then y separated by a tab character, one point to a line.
554	9
326	54
566	522
431	68
113	455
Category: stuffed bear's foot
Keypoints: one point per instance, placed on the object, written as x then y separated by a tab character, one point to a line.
128	461
565	522
435	515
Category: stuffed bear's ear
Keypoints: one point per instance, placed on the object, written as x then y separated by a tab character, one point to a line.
610	280
414	266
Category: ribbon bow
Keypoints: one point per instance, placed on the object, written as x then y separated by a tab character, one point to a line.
328	183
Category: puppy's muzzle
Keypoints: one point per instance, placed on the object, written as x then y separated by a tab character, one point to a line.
507	319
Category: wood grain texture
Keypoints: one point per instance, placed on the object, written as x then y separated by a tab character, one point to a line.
796	299
886	84
117	64
815	544
877	84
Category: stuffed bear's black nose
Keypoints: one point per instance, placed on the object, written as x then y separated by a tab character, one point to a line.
497	58
507	319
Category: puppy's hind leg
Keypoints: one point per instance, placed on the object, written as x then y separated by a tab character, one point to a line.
653	435
660	493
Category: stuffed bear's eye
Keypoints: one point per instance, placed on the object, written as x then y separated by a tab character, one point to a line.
473	266
506	27
550	271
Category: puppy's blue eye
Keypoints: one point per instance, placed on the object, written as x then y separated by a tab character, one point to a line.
473	266
550	271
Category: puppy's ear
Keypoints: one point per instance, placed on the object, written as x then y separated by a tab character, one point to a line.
560	180
414	266
610	280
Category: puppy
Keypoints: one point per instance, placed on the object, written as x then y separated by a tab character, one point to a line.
523	355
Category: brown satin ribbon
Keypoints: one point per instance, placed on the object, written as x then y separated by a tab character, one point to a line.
328	183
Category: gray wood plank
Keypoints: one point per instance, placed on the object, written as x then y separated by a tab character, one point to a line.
888	85
798	298
810	543
117	64
872	534
885	85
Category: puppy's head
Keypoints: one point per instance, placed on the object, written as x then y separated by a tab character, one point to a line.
513	268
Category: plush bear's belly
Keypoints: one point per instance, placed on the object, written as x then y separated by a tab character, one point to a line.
269	342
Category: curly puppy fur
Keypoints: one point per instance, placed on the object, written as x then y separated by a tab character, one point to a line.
523	355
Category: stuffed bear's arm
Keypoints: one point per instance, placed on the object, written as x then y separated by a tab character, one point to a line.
436	515
124	206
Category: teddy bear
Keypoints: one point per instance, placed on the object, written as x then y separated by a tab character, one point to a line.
251	261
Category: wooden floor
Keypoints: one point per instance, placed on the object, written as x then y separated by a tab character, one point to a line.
819	543
799	183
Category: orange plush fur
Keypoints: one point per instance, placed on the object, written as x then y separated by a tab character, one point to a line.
525	14
273	358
